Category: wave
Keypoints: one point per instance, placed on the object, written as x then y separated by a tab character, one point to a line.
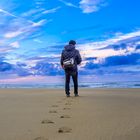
129	84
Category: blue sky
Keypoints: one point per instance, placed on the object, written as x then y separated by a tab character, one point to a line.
33	34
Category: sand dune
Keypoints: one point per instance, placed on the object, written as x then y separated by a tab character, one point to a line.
46	114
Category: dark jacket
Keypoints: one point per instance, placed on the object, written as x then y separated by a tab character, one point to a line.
69	52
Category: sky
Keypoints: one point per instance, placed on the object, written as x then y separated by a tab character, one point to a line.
33	34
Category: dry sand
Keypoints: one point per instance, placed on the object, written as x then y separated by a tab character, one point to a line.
43	114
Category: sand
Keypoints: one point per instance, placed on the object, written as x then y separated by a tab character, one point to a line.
46	114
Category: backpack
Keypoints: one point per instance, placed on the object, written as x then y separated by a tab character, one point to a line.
69	63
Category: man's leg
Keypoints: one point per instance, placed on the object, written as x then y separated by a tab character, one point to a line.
75	81
67	82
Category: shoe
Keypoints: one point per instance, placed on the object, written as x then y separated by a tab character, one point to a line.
76	95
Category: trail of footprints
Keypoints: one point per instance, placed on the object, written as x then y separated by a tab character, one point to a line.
63	129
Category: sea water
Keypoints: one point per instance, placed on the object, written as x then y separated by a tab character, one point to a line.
126	84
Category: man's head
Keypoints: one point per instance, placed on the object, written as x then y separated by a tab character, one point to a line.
72	42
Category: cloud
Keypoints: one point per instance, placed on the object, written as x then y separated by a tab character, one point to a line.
4	66
130	59
68	4
110	47
90	6
15	44
114	67
38	41
121	46
13	34
39	23
31	12
7	13
90	58
21	71
91	65
23	29
53	59
51	10
101	53
45	68
18	69
5	48
138	47
87	6
21	26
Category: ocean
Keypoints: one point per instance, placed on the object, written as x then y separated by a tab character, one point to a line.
126	84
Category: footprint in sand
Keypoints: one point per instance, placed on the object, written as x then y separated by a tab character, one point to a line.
54	105
64	130
65	116
66	108
46	121
68	103
52	111
41	138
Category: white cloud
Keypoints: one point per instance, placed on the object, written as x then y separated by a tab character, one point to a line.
38	41
102	44
7	13
39	23
68	4
89	6
15	44
51	10
101	53
32	12
24	29
13	34
96	49
5	50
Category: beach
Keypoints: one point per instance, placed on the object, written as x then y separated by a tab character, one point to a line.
46	114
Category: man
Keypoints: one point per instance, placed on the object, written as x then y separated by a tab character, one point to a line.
70	53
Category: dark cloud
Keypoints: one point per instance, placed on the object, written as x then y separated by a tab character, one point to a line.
4	66
45	59
2	58
22	71
131	59
90	58
55	49
19	64
45	68
18	69
121	46
137	47
111	70
91	65
131	40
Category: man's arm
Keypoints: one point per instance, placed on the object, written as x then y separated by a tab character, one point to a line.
79	59
61	60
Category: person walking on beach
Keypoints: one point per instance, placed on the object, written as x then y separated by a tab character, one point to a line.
70	58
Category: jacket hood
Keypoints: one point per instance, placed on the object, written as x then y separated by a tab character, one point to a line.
69	47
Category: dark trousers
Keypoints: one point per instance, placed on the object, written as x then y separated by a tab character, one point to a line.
74	76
